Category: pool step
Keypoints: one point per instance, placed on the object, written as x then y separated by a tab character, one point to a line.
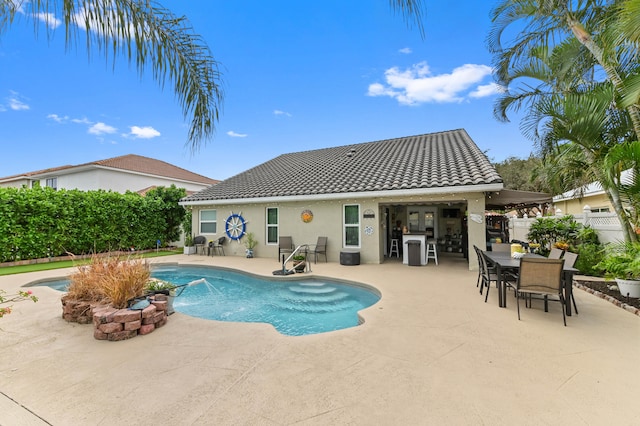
314	298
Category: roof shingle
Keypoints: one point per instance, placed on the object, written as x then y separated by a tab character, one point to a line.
435	160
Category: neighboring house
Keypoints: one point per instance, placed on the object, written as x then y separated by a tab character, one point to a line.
119	174
355	195
573	202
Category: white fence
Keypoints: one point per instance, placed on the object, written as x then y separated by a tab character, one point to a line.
606	225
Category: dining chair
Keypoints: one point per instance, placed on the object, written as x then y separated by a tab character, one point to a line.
285	245
479	254
555	253
319	248
540	276
488	274
501	247
569	262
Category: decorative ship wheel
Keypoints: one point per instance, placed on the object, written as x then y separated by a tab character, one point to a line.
235	226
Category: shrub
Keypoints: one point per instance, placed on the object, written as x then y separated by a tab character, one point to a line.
110	280
564	233
589	255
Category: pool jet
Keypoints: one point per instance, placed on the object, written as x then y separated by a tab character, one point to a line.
139	303
189	284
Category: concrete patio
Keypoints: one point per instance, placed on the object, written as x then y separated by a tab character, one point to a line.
431	352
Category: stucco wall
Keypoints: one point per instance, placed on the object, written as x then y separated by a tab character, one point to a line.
576	206
328	222
118	181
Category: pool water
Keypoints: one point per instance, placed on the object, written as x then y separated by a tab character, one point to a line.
294	307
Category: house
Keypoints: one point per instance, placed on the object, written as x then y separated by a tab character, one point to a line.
119	174
574	201
356	195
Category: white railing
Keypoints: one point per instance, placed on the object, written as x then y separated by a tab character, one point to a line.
606	225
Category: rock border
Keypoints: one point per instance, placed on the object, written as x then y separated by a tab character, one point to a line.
608	298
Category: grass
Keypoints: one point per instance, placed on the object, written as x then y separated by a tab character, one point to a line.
21	269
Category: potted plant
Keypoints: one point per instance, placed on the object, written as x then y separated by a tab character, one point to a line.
189	248
622	263
156	286
299	263
250	243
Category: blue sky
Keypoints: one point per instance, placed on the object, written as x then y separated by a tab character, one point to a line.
297	76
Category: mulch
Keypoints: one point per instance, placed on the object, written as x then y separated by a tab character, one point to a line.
609	291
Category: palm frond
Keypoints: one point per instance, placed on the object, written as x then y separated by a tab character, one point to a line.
144	33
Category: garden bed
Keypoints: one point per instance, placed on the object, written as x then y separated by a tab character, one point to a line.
608	290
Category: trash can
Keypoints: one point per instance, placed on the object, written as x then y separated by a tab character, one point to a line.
413	246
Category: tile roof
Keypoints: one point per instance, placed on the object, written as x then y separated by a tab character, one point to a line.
131	162
435	160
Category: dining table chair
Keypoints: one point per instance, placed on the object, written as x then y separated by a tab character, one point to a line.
502	247
555	253
489	275
540	276
569	262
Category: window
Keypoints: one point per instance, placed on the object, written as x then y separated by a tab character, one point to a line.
351	225
208	221
272	225
52	183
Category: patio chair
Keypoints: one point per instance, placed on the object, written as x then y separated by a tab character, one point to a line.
217	246
540	276
569	262
487	274
285	245
555	253
479	254
319	248
200	242
503	247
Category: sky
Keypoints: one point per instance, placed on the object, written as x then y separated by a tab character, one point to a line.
297	75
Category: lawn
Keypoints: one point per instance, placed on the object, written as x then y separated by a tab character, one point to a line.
20	269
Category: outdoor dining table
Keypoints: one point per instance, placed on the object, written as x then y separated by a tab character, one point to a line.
503	261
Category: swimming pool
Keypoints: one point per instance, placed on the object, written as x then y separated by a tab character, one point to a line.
294	306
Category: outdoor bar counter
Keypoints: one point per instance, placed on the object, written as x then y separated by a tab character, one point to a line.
405	247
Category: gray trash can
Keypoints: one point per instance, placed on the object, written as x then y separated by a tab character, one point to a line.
413	246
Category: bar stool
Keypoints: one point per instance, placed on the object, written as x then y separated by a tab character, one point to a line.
431	251
394	247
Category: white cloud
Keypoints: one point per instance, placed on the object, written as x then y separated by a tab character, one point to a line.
146	132
57	118
15	103
83	120
236	135
49	19
405	50
485	90
278	112
417	85
101	129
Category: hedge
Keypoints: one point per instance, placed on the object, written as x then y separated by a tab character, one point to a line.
42	222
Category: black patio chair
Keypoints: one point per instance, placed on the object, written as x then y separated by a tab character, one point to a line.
200	242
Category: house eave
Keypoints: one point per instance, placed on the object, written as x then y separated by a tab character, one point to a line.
350	195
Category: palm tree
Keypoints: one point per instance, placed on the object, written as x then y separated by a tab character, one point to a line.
596	24
570	102
152	37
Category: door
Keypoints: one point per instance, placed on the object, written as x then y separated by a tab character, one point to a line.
422	220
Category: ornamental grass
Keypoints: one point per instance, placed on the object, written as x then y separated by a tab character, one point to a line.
113	280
